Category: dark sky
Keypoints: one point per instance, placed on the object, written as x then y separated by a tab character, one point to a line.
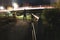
5	2
33	2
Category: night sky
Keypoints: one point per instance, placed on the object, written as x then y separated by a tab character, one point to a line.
33	2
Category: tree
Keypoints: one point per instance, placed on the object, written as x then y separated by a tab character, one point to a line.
56	4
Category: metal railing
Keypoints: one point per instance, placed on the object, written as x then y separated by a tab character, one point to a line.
33	27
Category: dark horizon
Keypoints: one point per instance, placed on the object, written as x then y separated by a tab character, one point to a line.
20	2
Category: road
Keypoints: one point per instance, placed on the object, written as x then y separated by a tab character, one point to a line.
20	30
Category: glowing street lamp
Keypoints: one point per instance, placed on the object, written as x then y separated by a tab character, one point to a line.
1	7
15	5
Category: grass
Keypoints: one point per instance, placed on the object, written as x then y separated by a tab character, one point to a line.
21	17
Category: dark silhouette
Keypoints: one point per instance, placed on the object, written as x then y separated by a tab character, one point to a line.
24	15
53	18
40	30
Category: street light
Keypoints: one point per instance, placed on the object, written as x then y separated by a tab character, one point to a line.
15	5
1	7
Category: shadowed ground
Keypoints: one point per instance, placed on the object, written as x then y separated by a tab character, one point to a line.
20	30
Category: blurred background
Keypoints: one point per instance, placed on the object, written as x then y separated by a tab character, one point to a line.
29	19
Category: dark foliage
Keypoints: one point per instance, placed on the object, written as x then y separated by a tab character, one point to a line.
53	19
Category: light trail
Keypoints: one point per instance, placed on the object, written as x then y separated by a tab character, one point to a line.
31	8
27	8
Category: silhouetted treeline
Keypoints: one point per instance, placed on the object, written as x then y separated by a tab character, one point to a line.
53	19
51	31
